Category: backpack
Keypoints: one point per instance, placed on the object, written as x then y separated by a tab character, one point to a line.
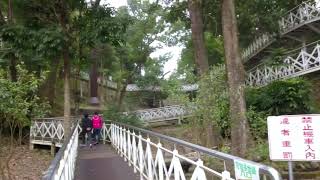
96	122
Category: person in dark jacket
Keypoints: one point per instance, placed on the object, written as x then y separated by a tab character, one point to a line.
86	125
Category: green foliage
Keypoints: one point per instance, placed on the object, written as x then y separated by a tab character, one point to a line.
212	102
113	114
278	98
173	85
19	102
100	25
252	18
281	97
257	124
214	47
259	152
153	72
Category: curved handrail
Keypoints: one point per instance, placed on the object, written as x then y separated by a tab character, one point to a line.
263	169
63	165
258	44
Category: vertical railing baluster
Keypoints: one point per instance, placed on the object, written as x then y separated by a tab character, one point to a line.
134	151
160	161
141	161
121	142
125	144
149	160
129	147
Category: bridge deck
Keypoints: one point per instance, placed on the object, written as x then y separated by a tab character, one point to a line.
102	163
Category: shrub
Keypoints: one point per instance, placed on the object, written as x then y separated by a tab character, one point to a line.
278	98
281	97
257	124
19	102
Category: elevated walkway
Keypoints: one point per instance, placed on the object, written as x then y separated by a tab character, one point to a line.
298	26
298	63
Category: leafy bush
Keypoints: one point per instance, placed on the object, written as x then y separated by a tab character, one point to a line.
281	97
259	152
257	124
278	98
213	100
19	102
113	114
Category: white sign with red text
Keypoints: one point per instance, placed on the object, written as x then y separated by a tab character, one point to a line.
294	137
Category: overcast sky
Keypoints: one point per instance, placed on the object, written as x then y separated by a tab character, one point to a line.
171	65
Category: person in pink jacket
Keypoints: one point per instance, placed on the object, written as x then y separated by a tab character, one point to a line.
97	124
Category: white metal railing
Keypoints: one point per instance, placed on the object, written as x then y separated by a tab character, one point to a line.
306	61
305	13
135	87
257	45
48	131
161	114
153	160
64	163
184	88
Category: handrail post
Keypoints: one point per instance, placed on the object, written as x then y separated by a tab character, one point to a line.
141	158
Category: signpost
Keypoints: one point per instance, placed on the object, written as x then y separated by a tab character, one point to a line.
294	138
245	170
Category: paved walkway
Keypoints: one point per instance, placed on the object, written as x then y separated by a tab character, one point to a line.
102	163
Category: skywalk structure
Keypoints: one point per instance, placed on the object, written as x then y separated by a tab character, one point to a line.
299	26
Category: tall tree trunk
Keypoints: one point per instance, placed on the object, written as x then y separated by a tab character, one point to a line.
10	11
13	68
94	78
66	67
235	74
201	60
13	63
200	52
67	105
122	94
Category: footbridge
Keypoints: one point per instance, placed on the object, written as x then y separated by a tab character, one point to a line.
133	153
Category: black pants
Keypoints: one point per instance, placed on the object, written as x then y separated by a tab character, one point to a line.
89	136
